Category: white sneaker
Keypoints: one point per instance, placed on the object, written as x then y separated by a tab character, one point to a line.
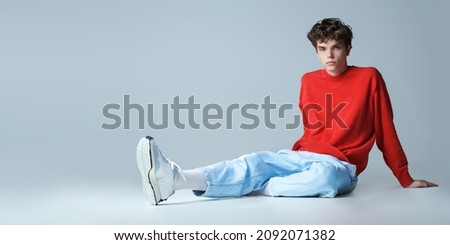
157	172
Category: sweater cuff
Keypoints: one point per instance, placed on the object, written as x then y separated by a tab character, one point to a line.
405	179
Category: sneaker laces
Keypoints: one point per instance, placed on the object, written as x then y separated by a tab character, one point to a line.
177	169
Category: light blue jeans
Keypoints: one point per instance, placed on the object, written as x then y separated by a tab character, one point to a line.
285	173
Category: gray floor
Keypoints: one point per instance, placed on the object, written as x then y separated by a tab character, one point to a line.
383	203
95	180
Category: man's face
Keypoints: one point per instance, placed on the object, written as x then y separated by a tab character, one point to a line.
333	56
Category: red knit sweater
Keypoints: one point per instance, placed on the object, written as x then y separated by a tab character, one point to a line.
344	115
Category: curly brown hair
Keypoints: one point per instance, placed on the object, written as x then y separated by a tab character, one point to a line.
330	29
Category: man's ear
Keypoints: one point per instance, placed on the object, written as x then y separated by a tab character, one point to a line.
349	47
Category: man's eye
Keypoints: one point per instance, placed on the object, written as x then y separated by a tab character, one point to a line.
338	47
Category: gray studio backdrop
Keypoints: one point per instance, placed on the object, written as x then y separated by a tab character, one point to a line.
62	62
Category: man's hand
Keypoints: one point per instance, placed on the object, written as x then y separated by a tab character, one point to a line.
421	184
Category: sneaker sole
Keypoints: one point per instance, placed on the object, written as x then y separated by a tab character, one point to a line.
146	164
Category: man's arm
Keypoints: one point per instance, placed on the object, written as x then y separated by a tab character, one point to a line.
388	141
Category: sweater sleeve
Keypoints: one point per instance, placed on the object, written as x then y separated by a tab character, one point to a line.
386	135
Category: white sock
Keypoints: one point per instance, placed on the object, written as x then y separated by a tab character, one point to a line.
193	179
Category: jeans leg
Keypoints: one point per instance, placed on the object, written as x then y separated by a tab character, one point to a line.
285	173
245	174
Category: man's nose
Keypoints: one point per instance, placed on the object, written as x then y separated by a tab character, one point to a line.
330	55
